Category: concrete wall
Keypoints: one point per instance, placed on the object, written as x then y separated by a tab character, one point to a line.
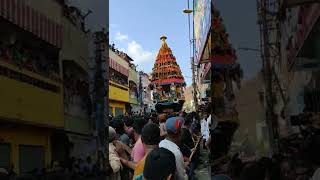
75	45
133	75
251	116
50	8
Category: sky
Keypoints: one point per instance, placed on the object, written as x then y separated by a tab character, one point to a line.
135	27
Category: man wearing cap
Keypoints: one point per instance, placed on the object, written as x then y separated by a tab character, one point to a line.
173	127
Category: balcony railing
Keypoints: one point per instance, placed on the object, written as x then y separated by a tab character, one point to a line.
118	92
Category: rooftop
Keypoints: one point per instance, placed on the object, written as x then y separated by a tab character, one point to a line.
120	53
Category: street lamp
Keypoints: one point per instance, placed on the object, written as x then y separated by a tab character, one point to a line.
187	11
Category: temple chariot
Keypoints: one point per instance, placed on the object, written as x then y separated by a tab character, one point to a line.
167	83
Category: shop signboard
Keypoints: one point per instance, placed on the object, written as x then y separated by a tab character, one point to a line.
202	23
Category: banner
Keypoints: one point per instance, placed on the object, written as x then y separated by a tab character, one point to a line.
202	23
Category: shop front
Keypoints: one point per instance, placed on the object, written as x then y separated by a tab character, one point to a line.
118	99
24	148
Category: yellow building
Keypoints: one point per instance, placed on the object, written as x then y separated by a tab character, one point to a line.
118	82
31	91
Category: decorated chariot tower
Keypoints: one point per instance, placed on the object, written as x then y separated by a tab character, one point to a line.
167	81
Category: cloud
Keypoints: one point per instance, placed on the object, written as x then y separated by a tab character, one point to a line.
138	53
121	37
132	48
113	25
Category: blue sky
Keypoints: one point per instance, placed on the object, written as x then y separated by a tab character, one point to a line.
136	26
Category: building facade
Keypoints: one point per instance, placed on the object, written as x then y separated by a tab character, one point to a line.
188	105
118	82
76	80
46	108
298	69
31	107
145	94
133	89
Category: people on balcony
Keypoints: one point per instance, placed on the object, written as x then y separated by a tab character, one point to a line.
32	60
118	78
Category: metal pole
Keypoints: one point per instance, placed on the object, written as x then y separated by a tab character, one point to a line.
101	98
192	44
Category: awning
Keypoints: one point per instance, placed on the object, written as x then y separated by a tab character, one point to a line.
118	67
29	19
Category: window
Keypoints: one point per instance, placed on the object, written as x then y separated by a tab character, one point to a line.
4	155
119	111
31	158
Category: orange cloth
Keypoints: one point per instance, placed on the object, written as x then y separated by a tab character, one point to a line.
138	171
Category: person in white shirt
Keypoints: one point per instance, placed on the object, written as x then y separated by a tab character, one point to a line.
205	127
173	127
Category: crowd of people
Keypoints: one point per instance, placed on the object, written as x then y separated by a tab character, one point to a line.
168	146
71	169
27	58
165	142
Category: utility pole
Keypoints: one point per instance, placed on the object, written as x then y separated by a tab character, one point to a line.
192	51
269	33
194	84
192	41
101	96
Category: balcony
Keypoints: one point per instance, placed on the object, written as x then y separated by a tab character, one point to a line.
118	92
77	102
29	97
